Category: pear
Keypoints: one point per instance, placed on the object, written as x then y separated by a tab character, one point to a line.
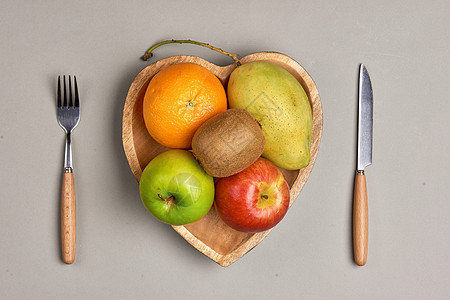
279	103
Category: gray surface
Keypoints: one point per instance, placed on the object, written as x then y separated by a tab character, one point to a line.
124	253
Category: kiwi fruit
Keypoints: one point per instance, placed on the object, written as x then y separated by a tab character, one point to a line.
228	142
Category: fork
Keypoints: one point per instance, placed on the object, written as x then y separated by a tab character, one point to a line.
68	118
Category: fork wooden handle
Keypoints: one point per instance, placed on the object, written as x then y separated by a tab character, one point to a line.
360	220
68	218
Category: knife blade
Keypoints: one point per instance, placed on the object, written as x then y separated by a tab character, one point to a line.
364	159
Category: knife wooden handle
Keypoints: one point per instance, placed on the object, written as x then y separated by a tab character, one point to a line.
360	220
68	218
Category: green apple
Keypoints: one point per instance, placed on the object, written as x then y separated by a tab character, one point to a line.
175	188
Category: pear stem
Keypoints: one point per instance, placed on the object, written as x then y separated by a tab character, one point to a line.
149	53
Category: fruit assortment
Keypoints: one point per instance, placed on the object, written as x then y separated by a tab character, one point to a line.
240	138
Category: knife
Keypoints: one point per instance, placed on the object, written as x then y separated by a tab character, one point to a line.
364	159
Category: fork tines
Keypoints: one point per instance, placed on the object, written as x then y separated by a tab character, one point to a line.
70	103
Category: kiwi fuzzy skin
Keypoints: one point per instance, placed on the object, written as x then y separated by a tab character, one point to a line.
228	142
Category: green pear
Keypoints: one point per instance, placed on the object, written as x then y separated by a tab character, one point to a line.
279	103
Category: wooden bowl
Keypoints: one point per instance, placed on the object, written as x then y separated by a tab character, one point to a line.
211	235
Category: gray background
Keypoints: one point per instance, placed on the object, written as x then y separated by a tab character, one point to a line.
124	253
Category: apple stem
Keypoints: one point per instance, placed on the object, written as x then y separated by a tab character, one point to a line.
149	53
265	196
169	199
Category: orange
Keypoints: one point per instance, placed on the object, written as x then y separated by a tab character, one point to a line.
179	98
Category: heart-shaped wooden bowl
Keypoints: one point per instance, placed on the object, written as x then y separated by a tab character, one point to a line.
211	235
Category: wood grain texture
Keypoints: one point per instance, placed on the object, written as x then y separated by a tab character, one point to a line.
211	235
360	220
68	219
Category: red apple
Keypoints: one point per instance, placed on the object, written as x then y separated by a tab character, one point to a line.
253	200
